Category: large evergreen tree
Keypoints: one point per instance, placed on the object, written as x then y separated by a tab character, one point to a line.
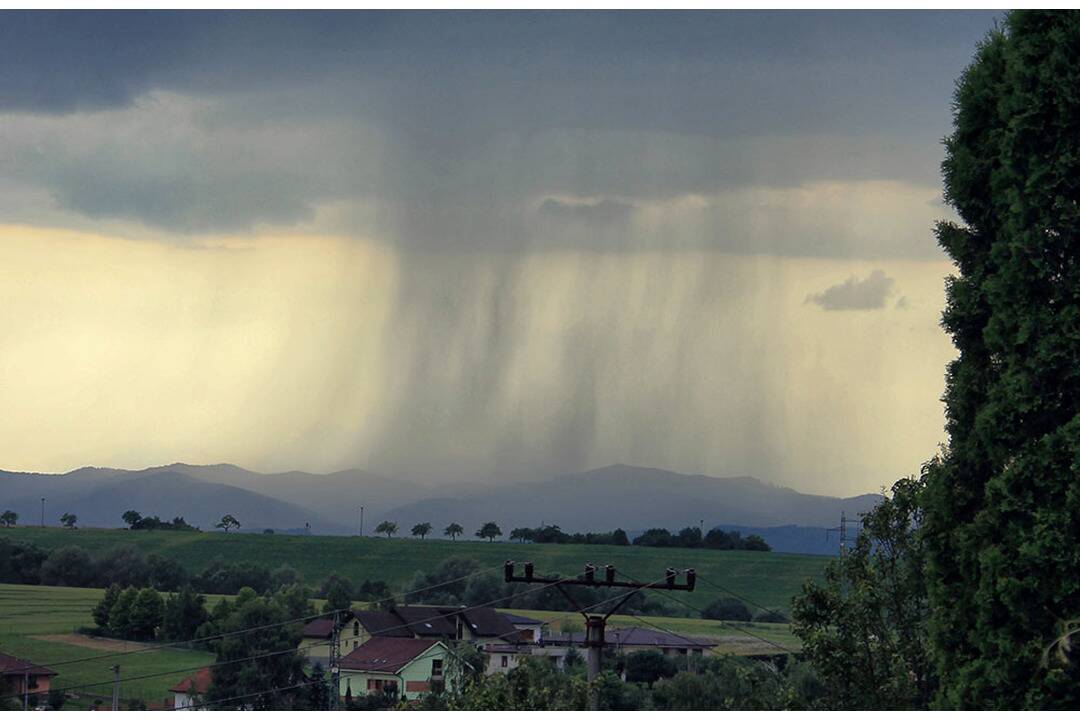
1002	503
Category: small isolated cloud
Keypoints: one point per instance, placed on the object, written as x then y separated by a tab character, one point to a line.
855	294
600	211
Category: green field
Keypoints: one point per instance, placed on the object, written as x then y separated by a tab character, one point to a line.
765	578
28	613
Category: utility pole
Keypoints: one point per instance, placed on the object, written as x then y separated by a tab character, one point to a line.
26	688
335	654
42	512
596	624
361	533
116	688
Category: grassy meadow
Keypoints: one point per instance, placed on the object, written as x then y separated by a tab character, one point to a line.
766	578
29	614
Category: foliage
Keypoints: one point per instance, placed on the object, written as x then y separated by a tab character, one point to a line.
489	531
864	629
1002	540
443	585
453	530
145	615
421	530
726	608
228	522
338	593
271	661
120	613
9	518
724	683
69	566
135	521
386	527
690	537
532	685
183	614
56	698
648	666
68	520
104	606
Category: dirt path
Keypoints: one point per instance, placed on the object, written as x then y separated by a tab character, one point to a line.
94	643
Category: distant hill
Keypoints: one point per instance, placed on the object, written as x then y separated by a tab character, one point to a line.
100	502
601	499
633	497
334	496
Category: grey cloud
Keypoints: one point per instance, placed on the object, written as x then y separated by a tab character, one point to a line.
854	294
599	211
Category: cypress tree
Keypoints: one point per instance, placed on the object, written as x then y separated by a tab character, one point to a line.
1002	501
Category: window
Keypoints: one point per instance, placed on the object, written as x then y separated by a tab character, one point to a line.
505	660
436	668
356	628
355	644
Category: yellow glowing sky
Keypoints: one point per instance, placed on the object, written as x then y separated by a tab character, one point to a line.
280	351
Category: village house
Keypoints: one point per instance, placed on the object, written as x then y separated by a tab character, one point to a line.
21	676
404	667
190	690
448	624
317	635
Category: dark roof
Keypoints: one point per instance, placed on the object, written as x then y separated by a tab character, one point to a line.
11	665
323	627
382	623
200	681
426	621
521	619
486	622
637	637
385	654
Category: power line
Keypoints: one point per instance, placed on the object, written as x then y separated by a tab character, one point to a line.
726	624
291	650
196	706
205	666
305	619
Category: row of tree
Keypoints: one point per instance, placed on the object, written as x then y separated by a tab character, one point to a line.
488	531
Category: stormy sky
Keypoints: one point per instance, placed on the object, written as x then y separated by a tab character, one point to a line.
476	246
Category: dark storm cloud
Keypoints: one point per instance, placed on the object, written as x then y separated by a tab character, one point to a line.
478	116
854	294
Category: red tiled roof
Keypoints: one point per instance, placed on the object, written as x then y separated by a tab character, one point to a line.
11	665
323	627
200	681
385	654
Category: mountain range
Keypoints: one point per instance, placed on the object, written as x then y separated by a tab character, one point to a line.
601	499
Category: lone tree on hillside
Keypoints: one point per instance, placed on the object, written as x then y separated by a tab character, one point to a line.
421	530
386	526
9	518
453	530
68	520
490	531
1001	502
132	518
227	522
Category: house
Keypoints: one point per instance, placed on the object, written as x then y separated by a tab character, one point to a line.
532	630
316	637
405	667
191	689
21	676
